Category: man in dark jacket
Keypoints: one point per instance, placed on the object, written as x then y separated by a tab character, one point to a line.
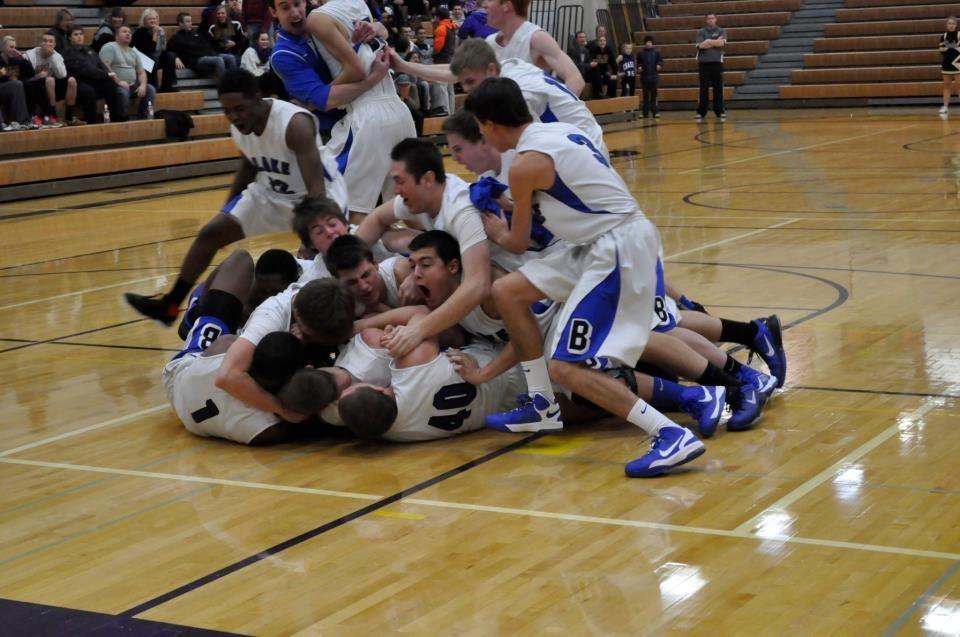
94	81
195	51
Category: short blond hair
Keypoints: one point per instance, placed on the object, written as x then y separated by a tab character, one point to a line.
148	13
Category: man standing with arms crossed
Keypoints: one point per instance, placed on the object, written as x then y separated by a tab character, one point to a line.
710	42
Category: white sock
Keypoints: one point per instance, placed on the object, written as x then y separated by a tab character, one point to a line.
538	379
646	417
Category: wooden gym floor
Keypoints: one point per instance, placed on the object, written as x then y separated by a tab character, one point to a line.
840	514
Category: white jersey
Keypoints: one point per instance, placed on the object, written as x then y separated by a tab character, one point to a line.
518	46
434	402
542	242
278	171
206	410
273	315
588	197
550	100
348	13
366	364
457	215
388	275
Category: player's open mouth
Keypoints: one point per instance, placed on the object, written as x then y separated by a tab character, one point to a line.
425	291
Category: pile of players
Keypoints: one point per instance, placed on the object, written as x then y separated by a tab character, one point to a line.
531	297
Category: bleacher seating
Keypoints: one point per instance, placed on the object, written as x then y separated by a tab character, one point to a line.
751	25
877	50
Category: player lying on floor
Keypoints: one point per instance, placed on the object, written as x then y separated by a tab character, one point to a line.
276	368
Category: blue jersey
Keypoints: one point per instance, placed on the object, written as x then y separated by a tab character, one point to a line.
305	75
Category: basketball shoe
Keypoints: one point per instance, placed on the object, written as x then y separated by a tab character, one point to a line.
706	405
534	412
673	446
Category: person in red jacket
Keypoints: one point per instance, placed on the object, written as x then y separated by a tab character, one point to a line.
444	44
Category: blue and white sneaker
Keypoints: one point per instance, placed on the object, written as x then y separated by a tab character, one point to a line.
747	405
768	344
706	405
673	446
533	413
763	383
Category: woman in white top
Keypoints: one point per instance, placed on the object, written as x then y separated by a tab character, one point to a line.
256	59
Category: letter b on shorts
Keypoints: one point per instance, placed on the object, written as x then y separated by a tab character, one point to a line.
579	340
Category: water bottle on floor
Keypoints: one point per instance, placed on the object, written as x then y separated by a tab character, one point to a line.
150	110
106	114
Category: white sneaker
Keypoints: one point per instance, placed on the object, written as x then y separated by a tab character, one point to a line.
699	118
944	110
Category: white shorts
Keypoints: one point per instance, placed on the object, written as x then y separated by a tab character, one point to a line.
261	211
361	142
608	290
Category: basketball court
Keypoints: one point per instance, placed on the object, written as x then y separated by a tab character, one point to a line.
838	514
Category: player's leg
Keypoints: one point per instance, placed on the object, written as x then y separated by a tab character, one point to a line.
219	232
763	336
538	410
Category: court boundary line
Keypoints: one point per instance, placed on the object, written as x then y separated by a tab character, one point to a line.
782	503
382	501
76	432
333	524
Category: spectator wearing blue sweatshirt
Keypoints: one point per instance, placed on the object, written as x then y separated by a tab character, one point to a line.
475	26
651	62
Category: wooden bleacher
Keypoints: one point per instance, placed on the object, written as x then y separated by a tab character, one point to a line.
751	25
878	51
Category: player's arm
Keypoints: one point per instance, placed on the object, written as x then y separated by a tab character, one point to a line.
474	287
471	372
327	31
543	45
529	172
301	138
396	316
234	378
246	173
343	94
436	73
375	224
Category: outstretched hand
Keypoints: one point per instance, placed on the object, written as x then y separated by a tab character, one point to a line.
362	32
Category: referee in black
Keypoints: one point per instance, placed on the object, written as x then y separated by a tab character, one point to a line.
710	42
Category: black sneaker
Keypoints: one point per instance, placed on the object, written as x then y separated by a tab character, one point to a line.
153	307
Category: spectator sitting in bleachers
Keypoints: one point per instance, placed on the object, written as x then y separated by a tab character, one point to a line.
405	43
18	67
407	90
255	17
457	14
226	34
150	39
48	66
61	29
195	51
131	77
234	11
423	87
603	69
475	26
94	80
107	31
580	55
13	100
256	59
426	51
